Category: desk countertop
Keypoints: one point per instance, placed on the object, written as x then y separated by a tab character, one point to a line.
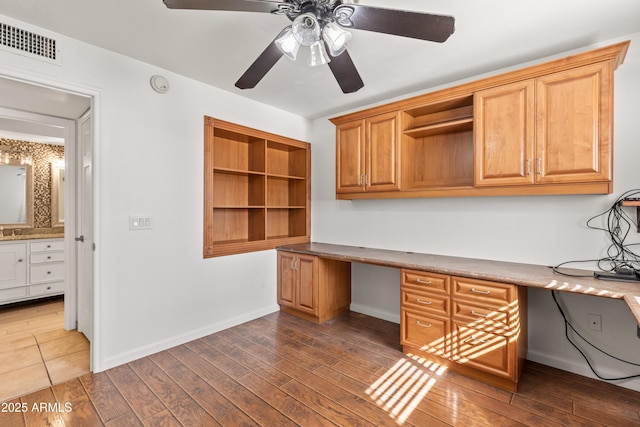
530	275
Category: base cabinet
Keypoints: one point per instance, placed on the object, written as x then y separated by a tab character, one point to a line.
476	327
31	269
313	288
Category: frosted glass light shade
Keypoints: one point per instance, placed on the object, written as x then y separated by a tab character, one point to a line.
306	29
318	54
288	44
336	38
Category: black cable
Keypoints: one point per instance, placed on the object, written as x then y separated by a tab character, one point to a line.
619	255
568	325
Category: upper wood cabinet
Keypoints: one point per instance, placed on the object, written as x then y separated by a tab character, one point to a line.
544	129
367	154
504	137
257	189
554	129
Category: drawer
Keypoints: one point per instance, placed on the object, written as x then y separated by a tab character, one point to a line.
46	289
426	333
424	301
42	273
497	319
11	293
425	281
484	351
47	257
481	290
48	245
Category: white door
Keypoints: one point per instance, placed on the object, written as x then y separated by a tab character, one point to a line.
85	227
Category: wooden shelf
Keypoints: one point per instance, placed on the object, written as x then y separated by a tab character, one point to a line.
460	125
636	204
257	190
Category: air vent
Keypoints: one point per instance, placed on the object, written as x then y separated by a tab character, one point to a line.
28	43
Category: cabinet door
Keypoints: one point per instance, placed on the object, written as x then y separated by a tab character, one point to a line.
286	279
13	265
307	289
350	160
504	134
382	152
573	131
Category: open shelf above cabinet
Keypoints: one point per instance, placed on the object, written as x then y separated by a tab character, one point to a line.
257	190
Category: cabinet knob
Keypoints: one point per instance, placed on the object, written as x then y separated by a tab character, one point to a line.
48	288
48	272
48	257
19	259
48	246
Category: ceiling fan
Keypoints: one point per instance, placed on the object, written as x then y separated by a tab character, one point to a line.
319	25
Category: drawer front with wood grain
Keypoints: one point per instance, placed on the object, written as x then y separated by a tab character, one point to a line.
426	333
492	293
497	319
484	351
424	301
422	280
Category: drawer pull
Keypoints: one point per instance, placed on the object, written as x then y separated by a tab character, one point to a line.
480	291
426	282
475	313
474	341
421	301
424	325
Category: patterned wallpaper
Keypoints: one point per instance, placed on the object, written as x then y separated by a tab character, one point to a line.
43	155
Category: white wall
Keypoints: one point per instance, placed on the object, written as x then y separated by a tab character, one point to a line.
537	229
154	289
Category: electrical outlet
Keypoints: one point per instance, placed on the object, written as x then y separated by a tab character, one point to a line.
595	322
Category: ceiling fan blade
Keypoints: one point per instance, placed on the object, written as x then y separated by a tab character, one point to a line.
260	66
238	5
423	26
345	72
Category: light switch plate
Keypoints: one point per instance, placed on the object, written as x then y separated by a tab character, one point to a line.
140	222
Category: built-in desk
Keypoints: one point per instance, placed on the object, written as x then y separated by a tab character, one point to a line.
529	275
466	313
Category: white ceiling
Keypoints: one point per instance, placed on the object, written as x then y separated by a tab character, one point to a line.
216	47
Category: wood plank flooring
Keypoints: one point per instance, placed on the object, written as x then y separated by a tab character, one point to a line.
282	371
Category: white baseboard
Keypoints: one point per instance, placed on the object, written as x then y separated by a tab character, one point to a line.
581	368
156	347
384	315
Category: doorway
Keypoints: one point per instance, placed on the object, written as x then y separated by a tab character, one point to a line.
46	106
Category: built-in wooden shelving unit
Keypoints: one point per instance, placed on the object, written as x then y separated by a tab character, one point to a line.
257	189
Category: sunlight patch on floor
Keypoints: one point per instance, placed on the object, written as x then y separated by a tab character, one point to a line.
401	389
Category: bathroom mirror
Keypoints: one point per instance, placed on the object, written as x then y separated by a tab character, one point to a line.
16	195
57	194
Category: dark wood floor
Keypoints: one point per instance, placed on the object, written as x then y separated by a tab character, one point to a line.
282	371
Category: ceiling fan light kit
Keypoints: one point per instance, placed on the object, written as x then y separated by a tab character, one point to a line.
317	24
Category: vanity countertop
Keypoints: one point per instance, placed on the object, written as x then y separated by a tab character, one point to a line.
530	275
32	236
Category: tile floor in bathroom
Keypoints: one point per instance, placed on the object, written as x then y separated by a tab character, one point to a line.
35	349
